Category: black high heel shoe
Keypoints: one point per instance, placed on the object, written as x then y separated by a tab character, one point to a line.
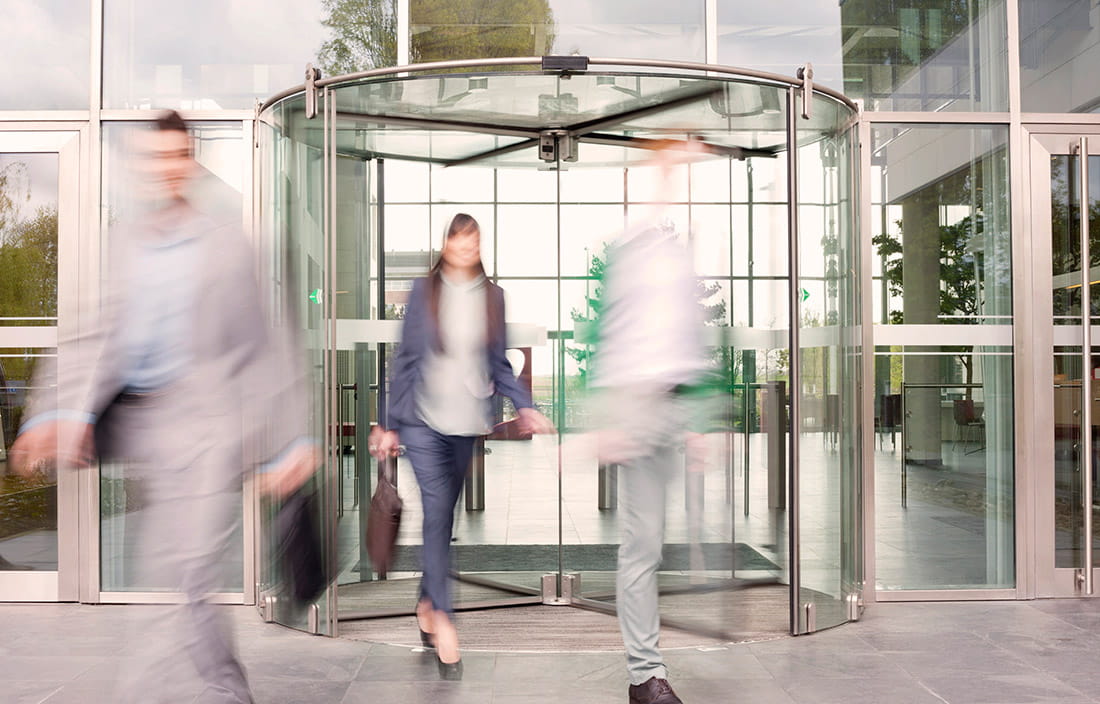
425	637
450	670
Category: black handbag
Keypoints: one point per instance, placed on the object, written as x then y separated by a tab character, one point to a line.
384	519
300	551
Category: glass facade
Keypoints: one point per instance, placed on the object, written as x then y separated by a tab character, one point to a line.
204	55
934	55
48	54
943	210
943	273
1059	45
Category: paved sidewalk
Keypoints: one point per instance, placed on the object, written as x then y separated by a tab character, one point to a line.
995	653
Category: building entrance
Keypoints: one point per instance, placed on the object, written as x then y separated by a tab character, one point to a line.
359	176
1065	187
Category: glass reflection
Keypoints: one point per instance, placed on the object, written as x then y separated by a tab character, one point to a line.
217	191
46	51
204	54
921	55
474	29
28	239
1058	44
944	413
28	505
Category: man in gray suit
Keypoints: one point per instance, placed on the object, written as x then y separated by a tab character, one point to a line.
184	377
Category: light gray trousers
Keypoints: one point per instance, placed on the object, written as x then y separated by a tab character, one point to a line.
643	484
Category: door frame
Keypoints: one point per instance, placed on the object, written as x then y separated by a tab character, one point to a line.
69	142
1037	449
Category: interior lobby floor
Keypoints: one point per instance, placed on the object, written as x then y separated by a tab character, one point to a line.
958	653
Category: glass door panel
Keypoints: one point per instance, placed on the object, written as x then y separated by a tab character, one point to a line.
37	257
1073	186
830	366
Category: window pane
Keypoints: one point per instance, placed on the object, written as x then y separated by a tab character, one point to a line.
220	152
944	414
919	55
205	54
28	238
947	186
28	505
216	190
1059	48
467	29
46	51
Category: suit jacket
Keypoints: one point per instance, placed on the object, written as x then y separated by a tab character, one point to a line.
243	391
417	336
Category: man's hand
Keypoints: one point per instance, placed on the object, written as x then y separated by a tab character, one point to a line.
384	443
534	422
59	442
293	471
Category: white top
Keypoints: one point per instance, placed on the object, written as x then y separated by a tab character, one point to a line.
650	327
455	389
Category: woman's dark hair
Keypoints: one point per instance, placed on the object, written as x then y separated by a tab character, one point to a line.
494	316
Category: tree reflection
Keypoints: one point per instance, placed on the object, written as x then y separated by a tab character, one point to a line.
364	32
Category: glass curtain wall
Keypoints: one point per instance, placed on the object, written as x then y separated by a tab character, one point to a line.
1059	48
217	189
942	291
927	55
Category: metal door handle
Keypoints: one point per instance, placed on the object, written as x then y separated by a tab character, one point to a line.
1086	354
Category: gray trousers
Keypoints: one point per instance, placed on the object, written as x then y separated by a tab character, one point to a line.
643	484
191	512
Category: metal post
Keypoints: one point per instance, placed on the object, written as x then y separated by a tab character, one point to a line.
745	456
1086	357
904	450
794	371
475	477
383	416
608	490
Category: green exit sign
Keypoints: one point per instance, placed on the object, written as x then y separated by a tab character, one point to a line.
315	295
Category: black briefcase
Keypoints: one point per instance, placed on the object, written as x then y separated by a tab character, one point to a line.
299	547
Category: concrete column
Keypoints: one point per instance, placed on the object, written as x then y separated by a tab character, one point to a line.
921	298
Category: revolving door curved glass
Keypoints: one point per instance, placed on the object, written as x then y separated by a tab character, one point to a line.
360	174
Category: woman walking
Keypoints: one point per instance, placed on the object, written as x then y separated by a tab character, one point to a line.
450	363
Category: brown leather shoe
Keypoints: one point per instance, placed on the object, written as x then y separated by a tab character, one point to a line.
653	691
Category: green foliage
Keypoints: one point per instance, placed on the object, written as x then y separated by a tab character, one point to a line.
959	289
958	283
28	266
473	29
714	313
364	36
364	32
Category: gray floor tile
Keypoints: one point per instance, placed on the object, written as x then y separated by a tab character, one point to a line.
24	692
427	692
272	691
1004	689
847	690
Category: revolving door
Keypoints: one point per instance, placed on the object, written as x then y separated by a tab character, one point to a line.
360	174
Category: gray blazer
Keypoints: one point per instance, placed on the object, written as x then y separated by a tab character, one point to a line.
417	335
243	393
